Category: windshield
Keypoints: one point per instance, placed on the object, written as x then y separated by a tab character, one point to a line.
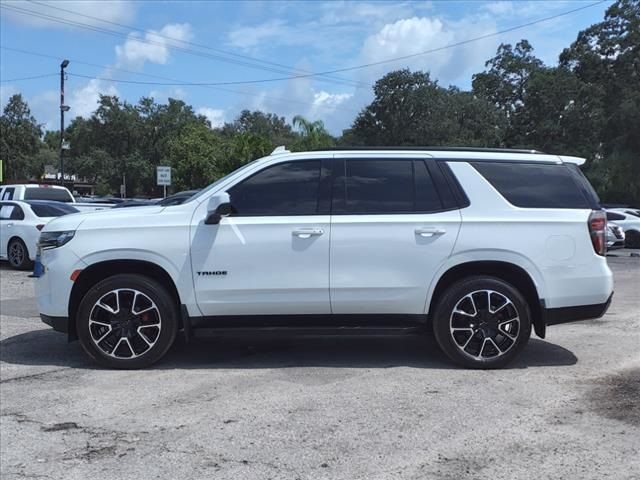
220	180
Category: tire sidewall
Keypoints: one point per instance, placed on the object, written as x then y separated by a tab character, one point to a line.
156	292
449	300
26	262
632	239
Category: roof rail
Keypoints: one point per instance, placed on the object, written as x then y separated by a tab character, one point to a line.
442	149
280	149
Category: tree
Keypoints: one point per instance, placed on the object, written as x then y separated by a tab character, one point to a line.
19	140
505	85
607	54
313	135
195	156
266	125
411	109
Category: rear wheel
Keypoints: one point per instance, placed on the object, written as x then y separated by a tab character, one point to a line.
482	322
127	321
18	255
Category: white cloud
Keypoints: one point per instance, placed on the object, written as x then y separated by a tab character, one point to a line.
498	8
215	116
419	34
326	100
252	36
119	11
153	47
84	101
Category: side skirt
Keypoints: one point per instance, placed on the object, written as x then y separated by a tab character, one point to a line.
310	324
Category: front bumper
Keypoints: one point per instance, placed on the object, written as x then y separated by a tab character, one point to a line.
555	316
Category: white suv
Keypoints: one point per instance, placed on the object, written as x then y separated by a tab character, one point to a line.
478	246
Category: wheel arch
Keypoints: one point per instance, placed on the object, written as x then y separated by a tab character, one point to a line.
98	271
514	274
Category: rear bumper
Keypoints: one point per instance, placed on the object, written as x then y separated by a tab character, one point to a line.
555	316
59	324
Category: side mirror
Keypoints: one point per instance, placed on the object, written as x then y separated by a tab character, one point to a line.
219	206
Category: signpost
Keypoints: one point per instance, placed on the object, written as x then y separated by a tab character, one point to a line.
164	177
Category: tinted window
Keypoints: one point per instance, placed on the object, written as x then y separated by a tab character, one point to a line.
379	186
427	198
387	186
614	216
44	193
284	189
41	210
534	185
11	212
5	211
8	193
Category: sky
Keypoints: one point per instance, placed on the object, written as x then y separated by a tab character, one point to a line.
273	46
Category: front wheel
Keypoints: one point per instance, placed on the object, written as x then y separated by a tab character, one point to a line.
482	322
127	321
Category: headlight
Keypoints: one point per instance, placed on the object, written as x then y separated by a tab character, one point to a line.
55	239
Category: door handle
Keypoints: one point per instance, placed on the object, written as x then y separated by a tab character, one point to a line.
9	224
430	232
308	232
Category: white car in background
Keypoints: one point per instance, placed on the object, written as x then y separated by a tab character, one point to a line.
34	191
629	220
20	225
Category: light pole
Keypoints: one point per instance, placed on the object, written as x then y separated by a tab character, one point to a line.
63	108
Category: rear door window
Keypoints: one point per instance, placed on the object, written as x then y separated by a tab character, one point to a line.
372	186
538	185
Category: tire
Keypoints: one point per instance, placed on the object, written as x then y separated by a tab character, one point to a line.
127	321
493	336
18	255
632	239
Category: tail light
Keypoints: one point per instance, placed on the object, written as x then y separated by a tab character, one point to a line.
598	231
40	227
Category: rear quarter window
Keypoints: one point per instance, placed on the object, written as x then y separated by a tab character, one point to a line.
43	193
529	185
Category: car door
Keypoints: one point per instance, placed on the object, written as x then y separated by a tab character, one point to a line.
5	220
271	255
392	227
11	220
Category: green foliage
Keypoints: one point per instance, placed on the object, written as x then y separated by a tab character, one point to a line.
19	140
313	135
195	156
411	109
589	105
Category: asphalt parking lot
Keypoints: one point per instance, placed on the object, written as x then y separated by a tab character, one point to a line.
323	408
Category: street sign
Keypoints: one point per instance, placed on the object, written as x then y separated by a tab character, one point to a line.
164	175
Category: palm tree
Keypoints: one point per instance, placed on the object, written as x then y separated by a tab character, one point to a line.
314	134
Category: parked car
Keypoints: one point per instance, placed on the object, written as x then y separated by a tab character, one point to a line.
135	202
56	193
629	222
175	199
479	246
615	236
20	225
